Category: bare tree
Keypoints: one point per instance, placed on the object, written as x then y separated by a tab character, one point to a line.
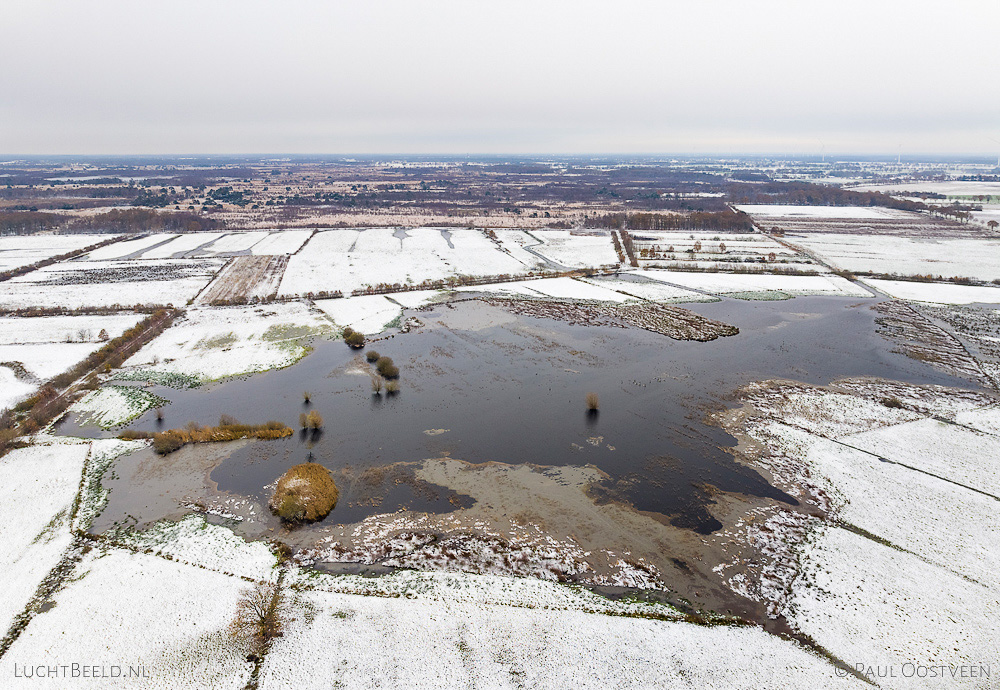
261	616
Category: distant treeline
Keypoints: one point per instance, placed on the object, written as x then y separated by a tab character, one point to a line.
127	220
808	194
728	220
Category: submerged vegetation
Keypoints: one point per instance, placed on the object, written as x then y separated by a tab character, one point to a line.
305	493
353	338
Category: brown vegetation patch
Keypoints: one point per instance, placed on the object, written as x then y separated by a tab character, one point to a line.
305	493
244	278
920	338
166	442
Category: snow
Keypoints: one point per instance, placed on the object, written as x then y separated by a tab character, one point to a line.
949	187
874	605
76	284
515	241
937	293
371	642
24	250
126	248
38	484
57	329
412	299
120	608
845	212
194	541
946	450
368	314
12	390
183	245
281	242
724	283
45	360
233	243
974	258
210	343
650	290
558	288
346	260
113	406
986	419
910	536
576	251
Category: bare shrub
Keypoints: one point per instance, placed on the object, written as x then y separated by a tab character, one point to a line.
376	384
306	397
392	387
593	404
314	420
261	616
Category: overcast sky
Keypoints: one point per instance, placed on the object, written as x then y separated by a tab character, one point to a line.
390	76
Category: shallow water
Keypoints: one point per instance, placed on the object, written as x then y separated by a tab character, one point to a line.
512	389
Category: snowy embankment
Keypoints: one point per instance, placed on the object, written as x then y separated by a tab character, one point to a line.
936	293
752	283
210	343
904	568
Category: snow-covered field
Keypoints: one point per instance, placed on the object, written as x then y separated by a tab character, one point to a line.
974	258
125	249
373	642
45	360
38	485
113	406
281	242
948	188
937	293
59	329
575	250
17	251
168	620
905	569
39	345
210	343
368	314
558	288
346	260
729	283
652	290
76	284
846	212
12	389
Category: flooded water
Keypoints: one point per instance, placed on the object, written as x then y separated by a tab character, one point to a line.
480	384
